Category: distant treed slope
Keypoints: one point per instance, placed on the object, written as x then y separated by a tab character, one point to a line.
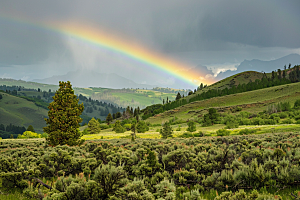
18	111
28	85
141	97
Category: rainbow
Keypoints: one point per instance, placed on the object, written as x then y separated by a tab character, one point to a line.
112	43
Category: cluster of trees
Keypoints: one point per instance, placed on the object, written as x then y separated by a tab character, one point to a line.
103	108
11	131
154	169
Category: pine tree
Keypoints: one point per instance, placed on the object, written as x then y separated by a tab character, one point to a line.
30	128
94	126
118	127
178	96
64	117
133	129
166	131
201	86
191	126
109	118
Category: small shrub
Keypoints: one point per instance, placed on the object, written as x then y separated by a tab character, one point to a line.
283	115
247	131
85	132
287	121
104	126
199	134
297	104
223	132
127	126
232	124
186	135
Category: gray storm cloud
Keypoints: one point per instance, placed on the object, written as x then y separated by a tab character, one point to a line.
216	34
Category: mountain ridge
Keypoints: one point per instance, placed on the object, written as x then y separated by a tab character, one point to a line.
260	65
95	79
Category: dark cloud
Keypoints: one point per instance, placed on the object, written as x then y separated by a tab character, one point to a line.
224	31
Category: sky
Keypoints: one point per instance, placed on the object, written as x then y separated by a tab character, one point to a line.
203	37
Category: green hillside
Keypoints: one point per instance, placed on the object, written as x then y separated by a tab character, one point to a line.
21	112
254	101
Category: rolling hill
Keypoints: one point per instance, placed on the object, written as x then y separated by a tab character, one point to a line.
254	101
120	97
21	112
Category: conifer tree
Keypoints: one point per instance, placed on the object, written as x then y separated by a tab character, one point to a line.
133	129
178	96
118	127
64	117
166	131
30	128
191	126
94	126
109	118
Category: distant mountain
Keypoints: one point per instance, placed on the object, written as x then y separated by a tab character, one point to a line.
259	65
83	78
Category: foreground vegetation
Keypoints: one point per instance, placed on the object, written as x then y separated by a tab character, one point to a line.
250	166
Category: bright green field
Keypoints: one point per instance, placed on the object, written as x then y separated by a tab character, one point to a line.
19	111
209	131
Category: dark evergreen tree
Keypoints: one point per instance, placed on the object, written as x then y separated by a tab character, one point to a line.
64	117
178	96
284	74
2	127
109	118
191	126
201	86
118	115
211	117
30	128
133	129
279	74
166	131
135	112
142	127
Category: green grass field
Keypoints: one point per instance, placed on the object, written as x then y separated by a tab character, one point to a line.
19	111
153	132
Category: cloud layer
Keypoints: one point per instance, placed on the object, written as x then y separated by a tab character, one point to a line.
215	34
